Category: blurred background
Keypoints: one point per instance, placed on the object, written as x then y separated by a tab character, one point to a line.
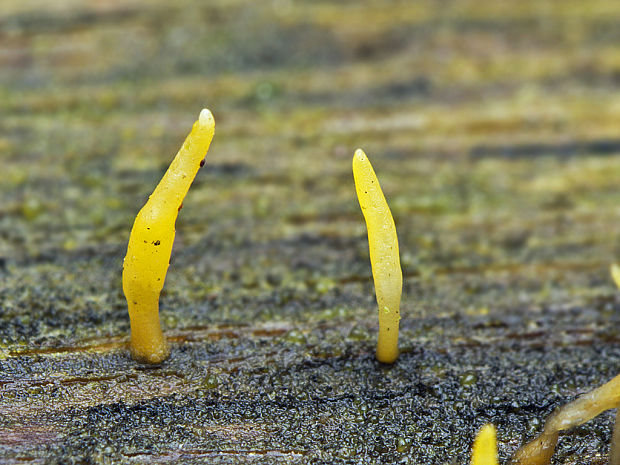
493	128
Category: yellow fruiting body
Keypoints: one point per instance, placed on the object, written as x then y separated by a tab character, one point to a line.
151	239
589	405
575	413
384	257
484	451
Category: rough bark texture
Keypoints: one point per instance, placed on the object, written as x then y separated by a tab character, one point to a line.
495	130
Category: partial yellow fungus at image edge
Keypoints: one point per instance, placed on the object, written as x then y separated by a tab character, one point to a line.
384	255
151	239
484	451
615	274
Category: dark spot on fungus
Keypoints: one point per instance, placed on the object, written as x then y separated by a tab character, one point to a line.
202	162
180	206
157	242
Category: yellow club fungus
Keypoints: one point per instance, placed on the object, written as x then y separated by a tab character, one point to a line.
589	405
151	239
614	450
384	258
484	451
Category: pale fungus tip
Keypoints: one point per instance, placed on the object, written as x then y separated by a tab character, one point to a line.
359	154
205	118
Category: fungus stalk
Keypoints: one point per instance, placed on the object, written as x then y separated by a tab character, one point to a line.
151	239
384	258
484	451
614	452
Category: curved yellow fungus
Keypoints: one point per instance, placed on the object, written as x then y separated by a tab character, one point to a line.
575	413
384	258
484	451
151	239
591	404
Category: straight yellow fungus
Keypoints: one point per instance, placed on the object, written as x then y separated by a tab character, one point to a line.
151	239
384	258
484	451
